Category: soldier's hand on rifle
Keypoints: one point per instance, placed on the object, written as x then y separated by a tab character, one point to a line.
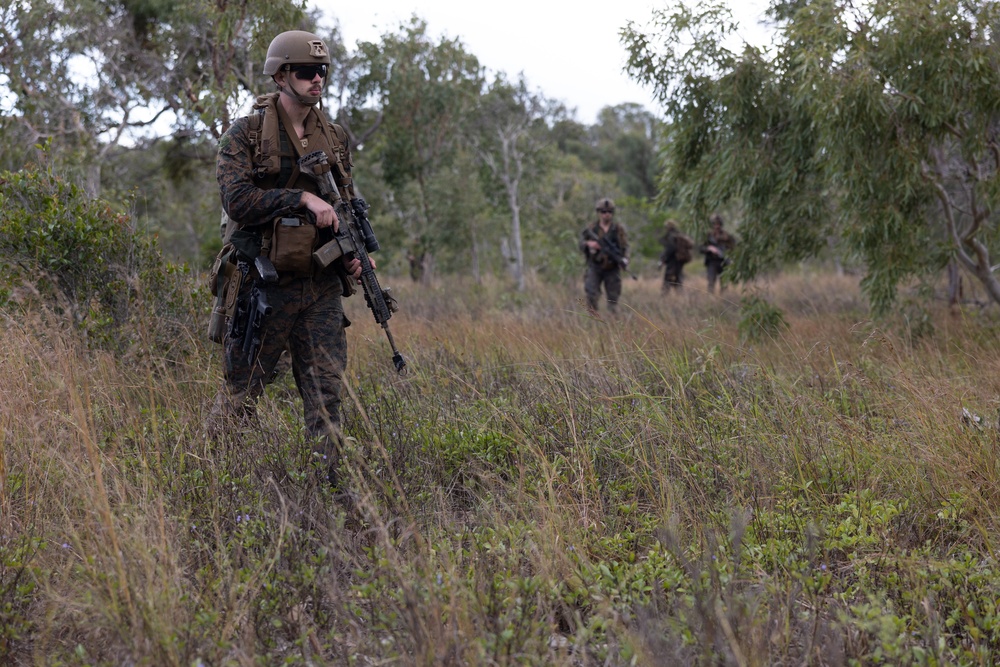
594	246
353	267
325	215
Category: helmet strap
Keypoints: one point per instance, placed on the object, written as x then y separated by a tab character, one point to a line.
287	89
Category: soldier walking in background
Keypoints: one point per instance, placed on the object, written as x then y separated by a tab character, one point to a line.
605	245
716	249
677	251
277	219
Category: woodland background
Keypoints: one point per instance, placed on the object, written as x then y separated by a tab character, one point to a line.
802	470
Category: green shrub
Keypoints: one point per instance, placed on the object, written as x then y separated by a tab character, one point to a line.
84	260
17	587
759	319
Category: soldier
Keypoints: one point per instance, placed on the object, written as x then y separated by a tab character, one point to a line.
677	248
716	247
605	246
273	208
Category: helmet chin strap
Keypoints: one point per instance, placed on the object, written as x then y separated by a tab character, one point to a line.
291	92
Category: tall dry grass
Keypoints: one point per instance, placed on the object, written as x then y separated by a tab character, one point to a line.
543	487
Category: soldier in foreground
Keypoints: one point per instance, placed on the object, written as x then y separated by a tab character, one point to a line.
279	296
716	249
605	245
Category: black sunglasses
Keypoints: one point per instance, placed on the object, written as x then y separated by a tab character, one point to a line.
307	72
605	210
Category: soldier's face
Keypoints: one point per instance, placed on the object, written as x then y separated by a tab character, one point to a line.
309	87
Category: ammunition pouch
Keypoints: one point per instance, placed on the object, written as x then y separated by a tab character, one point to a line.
292	243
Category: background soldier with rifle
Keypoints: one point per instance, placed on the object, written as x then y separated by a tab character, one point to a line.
605	245
717	244
279	216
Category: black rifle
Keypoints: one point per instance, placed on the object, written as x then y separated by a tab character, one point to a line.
719	254
610	248
354	239
247	325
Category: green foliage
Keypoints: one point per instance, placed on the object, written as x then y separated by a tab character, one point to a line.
17	589
759	319
83	259
423	89
189	56
861	125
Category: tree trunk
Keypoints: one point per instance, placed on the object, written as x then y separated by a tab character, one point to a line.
954	284
475	260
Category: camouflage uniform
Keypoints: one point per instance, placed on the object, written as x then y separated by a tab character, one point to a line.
601	269
714	264
673	269
307	311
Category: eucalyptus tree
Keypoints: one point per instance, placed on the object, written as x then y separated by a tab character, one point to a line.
509	132
874	123
423	88
626	141
84	76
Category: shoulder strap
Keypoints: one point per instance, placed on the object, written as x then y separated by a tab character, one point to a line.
286	124
272	147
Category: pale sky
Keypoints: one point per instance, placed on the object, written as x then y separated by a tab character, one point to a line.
570	51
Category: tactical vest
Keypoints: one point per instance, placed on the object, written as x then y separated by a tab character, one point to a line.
275	155
275	165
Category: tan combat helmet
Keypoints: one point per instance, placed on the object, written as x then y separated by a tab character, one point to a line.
605	204
295	47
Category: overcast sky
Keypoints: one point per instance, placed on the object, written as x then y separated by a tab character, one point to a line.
571	51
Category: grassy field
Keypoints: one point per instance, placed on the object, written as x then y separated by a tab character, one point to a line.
677	485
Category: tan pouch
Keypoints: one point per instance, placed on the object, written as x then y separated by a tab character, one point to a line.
224	306
222	269
292	246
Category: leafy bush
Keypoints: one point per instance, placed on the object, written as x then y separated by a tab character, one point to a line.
83	258
759	319
16	589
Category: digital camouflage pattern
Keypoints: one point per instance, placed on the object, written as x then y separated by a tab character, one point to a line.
307	314
676	253
308	318
714	264
601	269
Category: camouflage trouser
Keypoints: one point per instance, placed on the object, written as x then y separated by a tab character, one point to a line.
612	280
673	275
308	317
713	271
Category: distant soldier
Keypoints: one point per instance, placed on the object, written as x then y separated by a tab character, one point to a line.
605	246
716	248
677	251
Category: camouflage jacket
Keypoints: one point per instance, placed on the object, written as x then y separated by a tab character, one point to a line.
616	233
250	196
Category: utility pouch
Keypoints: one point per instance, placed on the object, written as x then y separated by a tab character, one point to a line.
292	246
224	307
220	279
222	269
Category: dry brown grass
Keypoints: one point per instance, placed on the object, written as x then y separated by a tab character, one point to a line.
543	487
